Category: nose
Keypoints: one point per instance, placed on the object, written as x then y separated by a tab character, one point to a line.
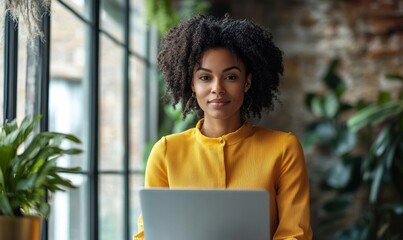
218	87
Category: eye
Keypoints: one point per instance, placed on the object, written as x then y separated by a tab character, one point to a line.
204	78
231	77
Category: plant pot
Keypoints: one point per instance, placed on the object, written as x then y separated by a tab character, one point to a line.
20	228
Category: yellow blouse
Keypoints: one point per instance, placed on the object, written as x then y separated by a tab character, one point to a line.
250	158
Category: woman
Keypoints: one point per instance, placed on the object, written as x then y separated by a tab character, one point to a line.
228	71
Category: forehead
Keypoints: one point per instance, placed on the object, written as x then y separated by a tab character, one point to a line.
215	57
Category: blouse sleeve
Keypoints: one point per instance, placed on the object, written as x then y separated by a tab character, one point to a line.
156	172
155	176
293	193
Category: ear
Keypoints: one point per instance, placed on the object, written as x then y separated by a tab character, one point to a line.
248	82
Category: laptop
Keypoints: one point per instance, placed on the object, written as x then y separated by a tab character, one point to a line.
213	214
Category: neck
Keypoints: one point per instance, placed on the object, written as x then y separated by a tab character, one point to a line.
217	127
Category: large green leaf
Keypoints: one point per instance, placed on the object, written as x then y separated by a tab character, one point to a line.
71	151
11	138
376	183
325	132
67	170
40	141
63	136
57	182
26	128
27	183
44	209
331	105
2	182
5	207
317	106
7	153
332	79
339	175
308	99
344	141
44	172
394	76
375	114
10	126
382	141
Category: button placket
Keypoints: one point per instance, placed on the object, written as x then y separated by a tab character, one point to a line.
222	162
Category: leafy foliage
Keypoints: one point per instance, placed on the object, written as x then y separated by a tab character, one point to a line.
29	168
369	147
165	15
328	130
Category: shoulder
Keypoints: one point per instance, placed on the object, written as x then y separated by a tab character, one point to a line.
180	137
170	144
284	142
274	135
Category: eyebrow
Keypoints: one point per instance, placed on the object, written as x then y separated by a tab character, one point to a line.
225	69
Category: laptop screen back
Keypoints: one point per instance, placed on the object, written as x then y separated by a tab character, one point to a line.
180	214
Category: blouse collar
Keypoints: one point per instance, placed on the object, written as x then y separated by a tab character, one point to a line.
228	139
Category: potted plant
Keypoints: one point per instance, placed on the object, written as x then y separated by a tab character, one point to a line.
28	171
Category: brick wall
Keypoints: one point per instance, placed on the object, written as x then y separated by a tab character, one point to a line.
366	34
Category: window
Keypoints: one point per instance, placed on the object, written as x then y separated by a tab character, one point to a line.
93	77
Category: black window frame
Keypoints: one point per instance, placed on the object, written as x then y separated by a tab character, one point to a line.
11	98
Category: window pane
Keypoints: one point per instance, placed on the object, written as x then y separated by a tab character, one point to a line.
64	107
136	181
80	6
111	207
111	106
69	211
67	101
21	74
137	110
112	17
138	27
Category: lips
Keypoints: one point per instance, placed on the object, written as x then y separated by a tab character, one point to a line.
218	102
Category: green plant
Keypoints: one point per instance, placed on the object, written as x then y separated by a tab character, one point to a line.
328	131
28	169
382	168
164	14
368	147
366	140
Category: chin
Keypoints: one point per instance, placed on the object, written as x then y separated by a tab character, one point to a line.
221	115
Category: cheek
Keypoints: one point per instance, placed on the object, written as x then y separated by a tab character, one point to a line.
238	92
200	91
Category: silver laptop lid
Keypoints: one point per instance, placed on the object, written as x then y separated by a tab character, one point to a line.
184	214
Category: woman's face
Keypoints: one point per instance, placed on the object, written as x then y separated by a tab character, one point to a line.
219	83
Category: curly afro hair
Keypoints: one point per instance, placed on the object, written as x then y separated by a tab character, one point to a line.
183	46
